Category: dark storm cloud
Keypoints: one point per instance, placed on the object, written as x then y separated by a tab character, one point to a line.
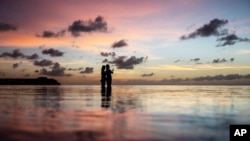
56	70
106	54
217	61
16	53
88	70
195	59
231	39
147	75
43	63
53	52
122	63
119	44
99	24
50	34
7	27
212	28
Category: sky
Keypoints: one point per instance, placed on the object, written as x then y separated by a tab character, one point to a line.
144	41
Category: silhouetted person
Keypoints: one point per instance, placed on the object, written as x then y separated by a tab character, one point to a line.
103	91
109	91
108	76
103	80
103	76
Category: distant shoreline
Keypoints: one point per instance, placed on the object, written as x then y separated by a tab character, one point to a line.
30	81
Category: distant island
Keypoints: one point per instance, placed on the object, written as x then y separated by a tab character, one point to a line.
30	81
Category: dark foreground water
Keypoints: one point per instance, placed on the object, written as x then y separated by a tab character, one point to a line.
164	113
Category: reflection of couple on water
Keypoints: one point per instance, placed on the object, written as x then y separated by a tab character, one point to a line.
106	76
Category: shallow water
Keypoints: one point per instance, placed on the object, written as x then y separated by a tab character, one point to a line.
174	113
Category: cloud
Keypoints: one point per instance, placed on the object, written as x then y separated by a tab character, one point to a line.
217	61
122	63
231	39
147	75
195	59
106	54
88	70
105	61
50	34
56	70
212	28
176	61
33	56
198	63
220	77
75	69
99	24
43	63
230	79
7	27
16	65
211	78
232	59
16	53
53	52
119	44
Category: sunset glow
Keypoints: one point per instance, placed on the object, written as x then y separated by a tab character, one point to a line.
142	40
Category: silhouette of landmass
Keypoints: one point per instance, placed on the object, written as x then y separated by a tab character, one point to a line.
23	81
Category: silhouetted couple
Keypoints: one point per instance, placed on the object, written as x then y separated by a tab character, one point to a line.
106	76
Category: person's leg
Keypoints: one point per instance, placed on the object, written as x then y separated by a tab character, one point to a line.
103	83
109	91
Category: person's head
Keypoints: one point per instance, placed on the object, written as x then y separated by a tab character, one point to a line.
103	67
107	66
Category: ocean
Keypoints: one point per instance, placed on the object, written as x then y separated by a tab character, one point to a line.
132	113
